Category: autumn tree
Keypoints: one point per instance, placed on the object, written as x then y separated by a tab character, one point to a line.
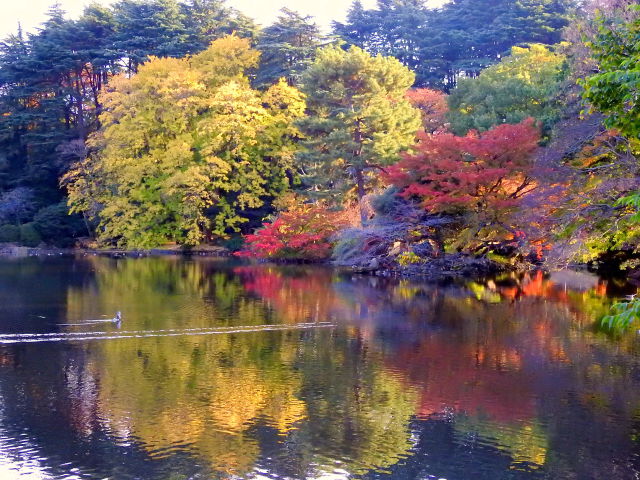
303	231
433	108
524	84
484	175
359	120
51	83
185	147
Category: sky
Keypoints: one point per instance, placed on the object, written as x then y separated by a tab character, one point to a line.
31	13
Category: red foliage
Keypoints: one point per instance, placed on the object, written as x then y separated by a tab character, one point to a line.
300	232
293	297
433	108
482	173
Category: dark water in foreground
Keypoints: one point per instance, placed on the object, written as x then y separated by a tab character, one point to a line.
212	375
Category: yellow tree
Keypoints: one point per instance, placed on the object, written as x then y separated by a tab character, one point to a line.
185	146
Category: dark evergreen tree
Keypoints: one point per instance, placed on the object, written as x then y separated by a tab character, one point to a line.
207	20
145	28
288	47
396	28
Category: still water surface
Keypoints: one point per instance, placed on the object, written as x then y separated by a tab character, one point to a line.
225	370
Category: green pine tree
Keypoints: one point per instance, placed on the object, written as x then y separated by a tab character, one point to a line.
359	119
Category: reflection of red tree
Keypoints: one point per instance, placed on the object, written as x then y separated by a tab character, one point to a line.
536	285
467	378
295	298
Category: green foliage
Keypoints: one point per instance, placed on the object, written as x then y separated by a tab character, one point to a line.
632	201
29	236
614	89
57	227
622	315
207	20
146	28
234	243
394	29
185	147
359	120
9	233
524	84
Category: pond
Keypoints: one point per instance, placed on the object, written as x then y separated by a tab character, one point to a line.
229	370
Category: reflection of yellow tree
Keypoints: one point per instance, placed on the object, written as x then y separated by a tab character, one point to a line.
526	443
363	415
155	293
203	392
371	430
207	393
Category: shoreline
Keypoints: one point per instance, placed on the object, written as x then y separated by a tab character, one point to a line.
451	267
16	251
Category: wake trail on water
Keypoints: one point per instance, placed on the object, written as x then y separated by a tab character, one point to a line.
170	332
87	322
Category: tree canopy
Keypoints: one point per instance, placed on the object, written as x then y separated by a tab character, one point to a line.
51	81
359	119
524	84
457	40
614	90
185	147
287	48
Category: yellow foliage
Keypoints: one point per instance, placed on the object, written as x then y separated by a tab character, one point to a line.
180	137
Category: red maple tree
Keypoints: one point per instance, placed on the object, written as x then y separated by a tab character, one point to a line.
484	173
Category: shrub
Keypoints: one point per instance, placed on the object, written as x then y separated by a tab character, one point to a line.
9	233
56	226
29	236
360	246
302	232
408	258
234	243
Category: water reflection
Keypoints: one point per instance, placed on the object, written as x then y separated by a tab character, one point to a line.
502	379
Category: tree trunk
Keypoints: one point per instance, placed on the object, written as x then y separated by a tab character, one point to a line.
361	192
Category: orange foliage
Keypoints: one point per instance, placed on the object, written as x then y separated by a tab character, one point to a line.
433	108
